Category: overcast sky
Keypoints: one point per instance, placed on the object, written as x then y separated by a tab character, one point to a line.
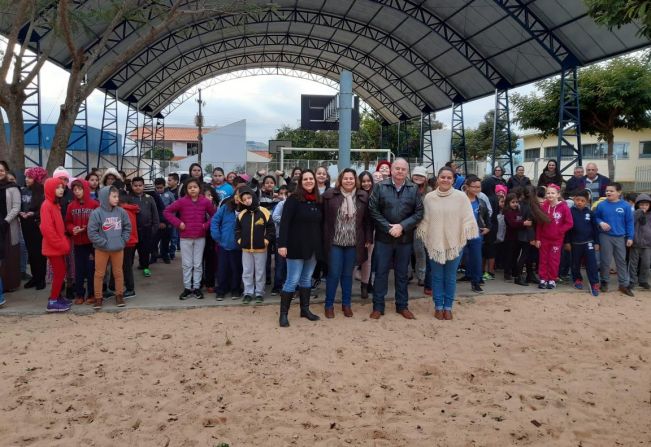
266	102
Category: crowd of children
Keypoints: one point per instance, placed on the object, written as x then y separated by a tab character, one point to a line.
88	231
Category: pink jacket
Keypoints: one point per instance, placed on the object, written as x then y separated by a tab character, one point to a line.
560	222
194	214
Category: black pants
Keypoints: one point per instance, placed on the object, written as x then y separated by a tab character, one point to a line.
145	245
209	263
33	242
161	244
127	269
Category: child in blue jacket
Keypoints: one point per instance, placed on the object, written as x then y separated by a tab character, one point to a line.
229	260
582	241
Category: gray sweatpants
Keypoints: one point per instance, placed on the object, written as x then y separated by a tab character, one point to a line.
191	259
609	247
641	256
253	272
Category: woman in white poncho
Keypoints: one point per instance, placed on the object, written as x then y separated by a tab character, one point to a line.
448	223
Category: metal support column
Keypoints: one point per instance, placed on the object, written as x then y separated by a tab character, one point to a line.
130	153
32	111
402	137
345	118
502	147
459	154
569	122
159	146
108	154
426	144
77	159
146	146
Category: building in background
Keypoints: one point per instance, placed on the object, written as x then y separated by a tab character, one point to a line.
631	154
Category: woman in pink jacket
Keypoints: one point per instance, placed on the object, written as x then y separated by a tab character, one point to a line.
549	236
193	220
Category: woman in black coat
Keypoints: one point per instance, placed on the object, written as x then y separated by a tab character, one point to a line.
550	175
301	243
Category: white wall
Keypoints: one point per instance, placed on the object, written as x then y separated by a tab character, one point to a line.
180	148
225	147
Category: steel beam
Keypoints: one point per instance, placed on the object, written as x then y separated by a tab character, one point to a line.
159	145
502	146
569	122
458	143
426	142
79	137
32	131
146	147
130	142
108	140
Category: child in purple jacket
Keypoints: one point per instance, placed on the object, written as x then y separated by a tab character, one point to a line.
194	213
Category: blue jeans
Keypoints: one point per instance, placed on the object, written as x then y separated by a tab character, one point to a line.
386	256
472	258
340	268
444	283
175	242
299	274
280	271
578	252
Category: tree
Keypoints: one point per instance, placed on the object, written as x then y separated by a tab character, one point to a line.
615	13
612	95
67	19
479	141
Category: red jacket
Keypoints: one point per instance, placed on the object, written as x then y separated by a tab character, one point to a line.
560	222
55	242
78	213
132	210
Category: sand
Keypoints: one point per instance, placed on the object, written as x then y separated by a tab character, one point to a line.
548	370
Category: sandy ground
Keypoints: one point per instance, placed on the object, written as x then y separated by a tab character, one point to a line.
548	370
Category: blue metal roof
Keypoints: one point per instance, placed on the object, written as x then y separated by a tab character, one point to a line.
47	133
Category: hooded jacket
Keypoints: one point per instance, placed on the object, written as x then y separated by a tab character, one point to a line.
560	222
109	171
222	226
55	242
642	237
79	213
109	227
60	173
254	229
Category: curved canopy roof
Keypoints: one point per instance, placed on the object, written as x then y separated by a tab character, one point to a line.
406	56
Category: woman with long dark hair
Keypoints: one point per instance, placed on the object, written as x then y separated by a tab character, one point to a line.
10	228
32	197
366	184
347	235
550	175
301	244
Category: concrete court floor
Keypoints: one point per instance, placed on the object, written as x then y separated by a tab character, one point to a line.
161	291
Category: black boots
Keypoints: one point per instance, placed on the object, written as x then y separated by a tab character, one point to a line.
519	280
285	302
304	294
532	278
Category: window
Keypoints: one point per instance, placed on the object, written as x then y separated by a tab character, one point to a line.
193	149
645	149
600	150
566	152
531	154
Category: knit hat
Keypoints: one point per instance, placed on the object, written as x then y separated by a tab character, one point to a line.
61	172
382	162
552	185
501	189
37	173
419	170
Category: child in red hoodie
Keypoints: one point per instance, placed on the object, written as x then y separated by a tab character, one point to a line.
77	216
56	245
549	236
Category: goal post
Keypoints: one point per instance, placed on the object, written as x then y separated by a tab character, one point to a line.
387	152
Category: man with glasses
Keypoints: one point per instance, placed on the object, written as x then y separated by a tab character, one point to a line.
595	182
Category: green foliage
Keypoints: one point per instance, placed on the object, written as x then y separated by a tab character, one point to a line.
615	94
616	13
159	154
479	141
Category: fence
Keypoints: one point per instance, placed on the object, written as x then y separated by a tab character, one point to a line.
643	179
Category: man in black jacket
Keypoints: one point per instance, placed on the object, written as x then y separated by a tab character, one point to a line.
396	208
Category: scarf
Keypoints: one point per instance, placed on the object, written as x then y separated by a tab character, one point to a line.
349	208
310	197
447	225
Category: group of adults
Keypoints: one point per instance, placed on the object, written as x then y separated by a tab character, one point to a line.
338	225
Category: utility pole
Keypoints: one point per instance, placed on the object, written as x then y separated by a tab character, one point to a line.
198	121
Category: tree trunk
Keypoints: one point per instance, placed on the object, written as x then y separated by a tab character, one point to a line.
611	162
62	133
16	145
